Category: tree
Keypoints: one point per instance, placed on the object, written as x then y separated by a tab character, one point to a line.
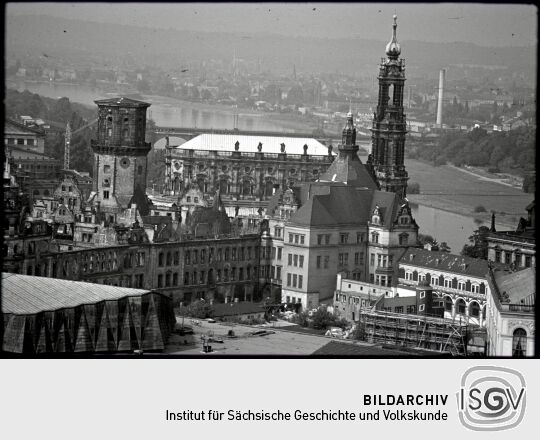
478	247
302	319
413	188
444	247
61	111
424	239
200	309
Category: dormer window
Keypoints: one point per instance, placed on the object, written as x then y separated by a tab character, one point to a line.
403	239
376	218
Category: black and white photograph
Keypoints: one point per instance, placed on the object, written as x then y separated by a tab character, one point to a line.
290	180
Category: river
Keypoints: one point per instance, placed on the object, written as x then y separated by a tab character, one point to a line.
454	229
168	112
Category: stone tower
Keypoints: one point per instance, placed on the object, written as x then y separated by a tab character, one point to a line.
120	151
389	127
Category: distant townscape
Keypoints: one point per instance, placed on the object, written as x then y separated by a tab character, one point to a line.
127	234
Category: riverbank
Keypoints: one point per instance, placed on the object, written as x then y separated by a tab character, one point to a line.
451	206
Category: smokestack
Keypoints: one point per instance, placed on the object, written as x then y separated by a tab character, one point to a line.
441	94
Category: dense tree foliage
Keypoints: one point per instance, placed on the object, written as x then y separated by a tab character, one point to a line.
512	151
60	111
413	188
320	320
478	247
199	309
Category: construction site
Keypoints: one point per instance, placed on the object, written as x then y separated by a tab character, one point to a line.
415	331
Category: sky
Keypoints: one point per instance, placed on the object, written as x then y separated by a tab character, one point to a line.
482	24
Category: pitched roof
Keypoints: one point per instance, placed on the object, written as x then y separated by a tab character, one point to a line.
25	294
445	262
122	101
348	168
388	206
338	204
21	153
15	127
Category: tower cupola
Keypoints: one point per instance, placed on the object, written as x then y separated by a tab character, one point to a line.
393	49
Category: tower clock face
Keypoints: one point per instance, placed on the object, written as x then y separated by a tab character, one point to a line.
124	162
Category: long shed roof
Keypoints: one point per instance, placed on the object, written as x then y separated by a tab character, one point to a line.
249	143
25	294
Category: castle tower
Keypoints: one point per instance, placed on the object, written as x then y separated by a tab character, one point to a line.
120	151
389	126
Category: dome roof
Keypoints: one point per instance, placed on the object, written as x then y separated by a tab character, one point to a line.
393	49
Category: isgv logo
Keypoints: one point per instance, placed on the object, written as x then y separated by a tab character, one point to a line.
491	398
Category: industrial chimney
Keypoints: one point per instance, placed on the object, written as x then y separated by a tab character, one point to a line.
441	94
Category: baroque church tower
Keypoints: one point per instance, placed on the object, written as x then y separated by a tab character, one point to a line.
389	126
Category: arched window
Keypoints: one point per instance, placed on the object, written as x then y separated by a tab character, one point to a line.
460	306
519	343
391	94
474	309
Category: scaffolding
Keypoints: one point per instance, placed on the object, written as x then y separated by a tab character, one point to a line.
415	331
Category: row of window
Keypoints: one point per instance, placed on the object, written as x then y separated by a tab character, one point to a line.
445	281
297	238
380	280
382	260
294	280
45	167
351	300
322	259
19	141
295	260
216	276
508	258
275	272
201	256
270	252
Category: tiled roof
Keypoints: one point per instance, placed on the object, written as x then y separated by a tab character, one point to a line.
122	102
341	204
445	262
14	127
20	153
24	294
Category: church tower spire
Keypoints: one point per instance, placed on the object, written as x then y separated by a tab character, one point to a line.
389	126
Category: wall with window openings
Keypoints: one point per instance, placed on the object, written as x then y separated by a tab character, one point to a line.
462	296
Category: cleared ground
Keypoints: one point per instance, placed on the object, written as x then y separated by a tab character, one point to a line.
280	343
